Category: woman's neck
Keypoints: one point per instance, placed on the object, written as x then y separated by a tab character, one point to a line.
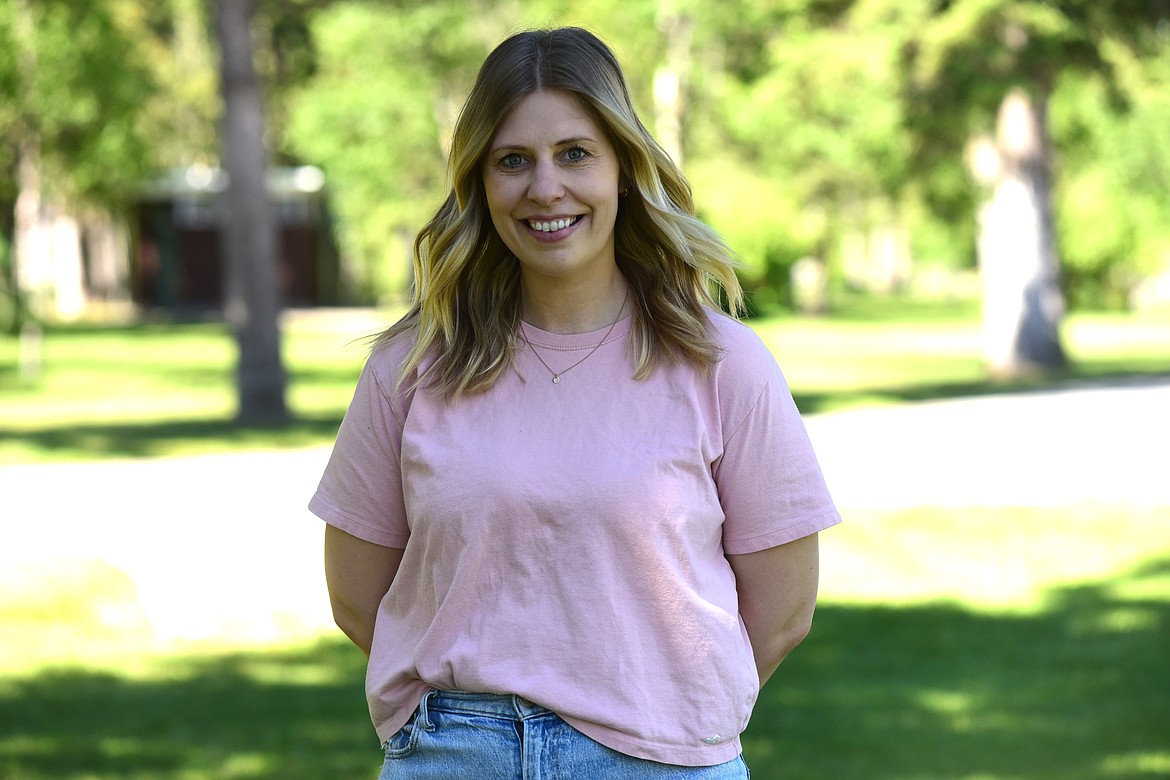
574	310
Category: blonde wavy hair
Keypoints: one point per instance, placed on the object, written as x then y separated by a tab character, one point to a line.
465	307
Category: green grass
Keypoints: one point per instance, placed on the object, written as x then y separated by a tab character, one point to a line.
1005	643
886	351
293	713
156	390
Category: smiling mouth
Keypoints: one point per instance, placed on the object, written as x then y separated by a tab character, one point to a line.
552	226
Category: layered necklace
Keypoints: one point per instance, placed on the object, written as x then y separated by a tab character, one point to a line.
556	375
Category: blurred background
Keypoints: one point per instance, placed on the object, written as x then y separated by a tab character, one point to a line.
954	226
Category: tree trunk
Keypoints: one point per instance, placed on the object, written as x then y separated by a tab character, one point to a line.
250	233
28	230
107	257
27	210
27	218
1022	301
670	80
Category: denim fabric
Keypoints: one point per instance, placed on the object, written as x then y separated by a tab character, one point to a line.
456	735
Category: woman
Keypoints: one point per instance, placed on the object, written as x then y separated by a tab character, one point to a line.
572	510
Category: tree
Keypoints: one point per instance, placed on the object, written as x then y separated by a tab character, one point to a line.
1111	157
375	115
844	117
804	96
182	112
1022	298
973	59
250	234
387	82
73	80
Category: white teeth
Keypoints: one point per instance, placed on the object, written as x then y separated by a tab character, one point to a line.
549	227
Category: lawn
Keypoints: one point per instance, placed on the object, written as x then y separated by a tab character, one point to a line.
162	389
950	644
981	643
165	389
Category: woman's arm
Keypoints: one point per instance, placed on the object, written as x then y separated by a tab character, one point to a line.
777	594
358	574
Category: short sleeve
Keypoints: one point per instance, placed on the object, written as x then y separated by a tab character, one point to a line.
770	484
361	489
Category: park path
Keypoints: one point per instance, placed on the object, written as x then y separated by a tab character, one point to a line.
1103	442
224	543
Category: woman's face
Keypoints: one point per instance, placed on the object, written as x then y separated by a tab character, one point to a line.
551	177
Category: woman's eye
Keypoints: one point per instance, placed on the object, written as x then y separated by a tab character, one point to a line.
512	160
576	154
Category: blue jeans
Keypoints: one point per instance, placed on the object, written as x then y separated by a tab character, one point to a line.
456	735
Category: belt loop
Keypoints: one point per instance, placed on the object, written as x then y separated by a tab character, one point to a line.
424	717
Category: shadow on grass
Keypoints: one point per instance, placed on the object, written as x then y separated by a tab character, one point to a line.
133	440
813	402
130	440
1077	691
281	715
925	691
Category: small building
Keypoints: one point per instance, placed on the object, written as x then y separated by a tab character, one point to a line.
177	261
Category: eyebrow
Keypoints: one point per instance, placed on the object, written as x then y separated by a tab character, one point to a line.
565	142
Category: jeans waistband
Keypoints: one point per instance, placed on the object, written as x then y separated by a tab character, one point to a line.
499	705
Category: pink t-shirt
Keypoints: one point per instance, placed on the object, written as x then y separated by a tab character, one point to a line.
565	542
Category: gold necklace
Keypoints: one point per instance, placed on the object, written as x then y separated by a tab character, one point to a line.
556	375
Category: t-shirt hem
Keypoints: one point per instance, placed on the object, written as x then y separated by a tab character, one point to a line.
327	511
788	533
387	728
673	754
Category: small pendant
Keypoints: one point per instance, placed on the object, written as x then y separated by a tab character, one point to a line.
556	379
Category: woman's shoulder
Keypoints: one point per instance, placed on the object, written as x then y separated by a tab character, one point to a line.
738	342
389	352
746	366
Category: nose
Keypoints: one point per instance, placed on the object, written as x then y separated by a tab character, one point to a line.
545	187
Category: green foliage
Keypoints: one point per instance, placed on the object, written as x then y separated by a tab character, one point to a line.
767	240
386	86
1115	170
824	113
75	87
180	114
1092	60
10	300
806	126
804	121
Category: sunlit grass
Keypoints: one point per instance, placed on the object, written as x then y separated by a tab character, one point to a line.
157	390
992	560
157	373
881	352
979	643
858	362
